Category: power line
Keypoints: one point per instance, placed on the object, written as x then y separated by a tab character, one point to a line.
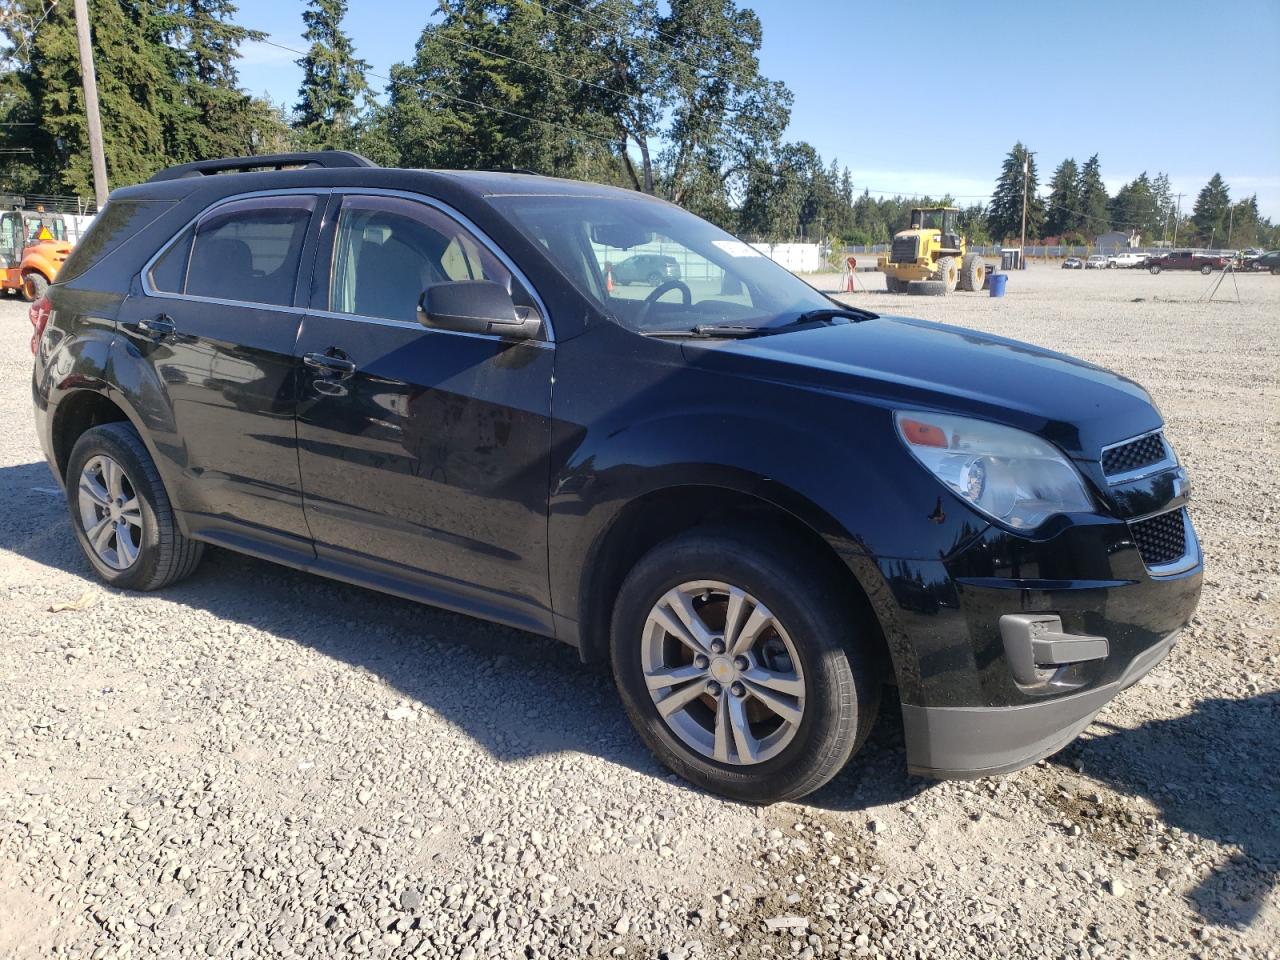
26	43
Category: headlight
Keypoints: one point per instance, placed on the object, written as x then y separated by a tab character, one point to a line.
1009	475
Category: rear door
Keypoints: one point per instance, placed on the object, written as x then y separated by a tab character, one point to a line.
216	321
424	453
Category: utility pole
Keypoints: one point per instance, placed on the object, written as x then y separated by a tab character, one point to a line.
1026	175
90	79
1231	220
1177	215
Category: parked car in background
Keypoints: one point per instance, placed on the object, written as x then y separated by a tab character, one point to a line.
1206	263
650	268
1267	261
756	503
1126	261
1096	262
1073	263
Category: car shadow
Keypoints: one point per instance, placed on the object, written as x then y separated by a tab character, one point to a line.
1214	773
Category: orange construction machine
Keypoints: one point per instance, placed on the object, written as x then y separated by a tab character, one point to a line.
33	246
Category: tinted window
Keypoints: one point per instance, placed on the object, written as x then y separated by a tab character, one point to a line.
170	272
247	250
119	220
388	250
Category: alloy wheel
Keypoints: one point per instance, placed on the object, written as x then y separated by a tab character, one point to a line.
723	672
110	512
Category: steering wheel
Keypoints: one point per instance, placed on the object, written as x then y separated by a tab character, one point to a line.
658	291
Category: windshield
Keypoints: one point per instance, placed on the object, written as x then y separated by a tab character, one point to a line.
654	266
44	227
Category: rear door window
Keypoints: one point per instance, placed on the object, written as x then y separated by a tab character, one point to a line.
246	251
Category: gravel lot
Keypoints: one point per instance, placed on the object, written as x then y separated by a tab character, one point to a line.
258	762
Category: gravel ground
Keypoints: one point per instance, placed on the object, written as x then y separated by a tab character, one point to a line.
258	762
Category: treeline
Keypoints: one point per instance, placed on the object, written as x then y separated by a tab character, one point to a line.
670	101
1077	208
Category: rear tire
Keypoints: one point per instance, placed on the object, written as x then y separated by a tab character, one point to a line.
1154	268
1206	270
34	286
820	648
948	271
973	272
927	288
148	550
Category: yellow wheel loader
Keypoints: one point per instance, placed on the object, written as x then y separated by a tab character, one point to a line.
931	256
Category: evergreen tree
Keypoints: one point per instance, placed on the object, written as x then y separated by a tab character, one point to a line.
1133	207
334	90
1093	199
1062	215
1209	218
1163	206
1004	215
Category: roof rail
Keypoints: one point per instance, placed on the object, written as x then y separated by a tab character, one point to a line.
271	161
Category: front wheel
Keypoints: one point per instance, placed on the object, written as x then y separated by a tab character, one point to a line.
34	286
740	667
1154	268
1205	270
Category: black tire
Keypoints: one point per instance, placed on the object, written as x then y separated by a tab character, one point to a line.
841	672
34	286
1275	271
1154	268
973	272
894	285
655	279
927	288
164	554
948	272
1205	270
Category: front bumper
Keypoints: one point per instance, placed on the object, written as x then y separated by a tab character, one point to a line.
971	707
969	742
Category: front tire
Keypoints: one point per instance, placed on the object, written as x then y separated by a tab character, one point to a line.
948	272
34	286
121	513
1205	270
740	667
1154	269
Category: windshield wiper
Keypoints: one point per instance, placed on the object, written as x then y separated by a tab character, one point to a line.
708	331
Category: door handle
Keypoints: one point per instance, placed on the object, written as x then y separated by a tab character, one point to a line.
157	327
332	364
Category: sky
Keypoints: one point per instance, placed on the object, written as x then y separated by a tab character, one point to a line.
928	97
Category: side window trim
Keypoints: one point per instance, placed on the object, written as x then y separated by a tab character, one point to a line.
321	264
323	271
320	196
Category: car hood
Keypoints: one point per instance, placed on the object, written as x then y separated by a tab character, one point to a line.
904	363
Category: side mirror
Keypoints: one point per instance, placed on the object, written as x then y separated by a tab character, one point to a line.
476	306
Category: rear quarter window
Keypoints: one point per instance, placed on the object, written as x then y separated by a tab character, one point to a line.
118	221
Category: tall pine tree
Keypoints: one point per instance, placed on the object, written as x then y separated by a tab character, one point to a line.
1062	216
334	92
1004	215
1210	215
1093	198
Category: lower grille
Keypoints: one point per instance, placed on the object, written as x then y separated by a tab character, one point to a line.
904	250
1134	455
1161	539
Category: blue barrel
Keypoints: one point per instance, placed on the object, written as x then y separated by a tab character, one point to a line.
998	281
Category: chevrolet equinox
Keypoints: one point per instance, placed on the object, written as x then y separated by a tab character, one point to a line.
757	504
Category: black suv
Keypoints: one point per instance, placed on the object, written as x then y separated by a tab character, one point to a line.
758	504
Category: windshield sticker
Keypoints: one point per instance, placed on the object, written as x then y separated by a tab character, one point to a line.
736	248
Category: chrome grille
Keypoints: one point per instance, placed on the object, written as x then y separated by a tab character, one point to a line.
1134	455
1161	539
904	250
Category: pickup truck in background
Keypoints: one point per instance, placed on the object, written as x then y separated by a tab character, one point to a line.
1187	260
1126	261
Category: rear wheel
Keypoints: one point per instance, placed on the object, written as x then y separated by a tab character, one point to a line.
1206	269
948	271
973	272
739	666
34	286
655	279
1154	268
1275	271
121	513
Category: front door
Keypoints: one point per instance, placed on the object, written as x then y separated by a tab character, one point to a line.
216	320
424	453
